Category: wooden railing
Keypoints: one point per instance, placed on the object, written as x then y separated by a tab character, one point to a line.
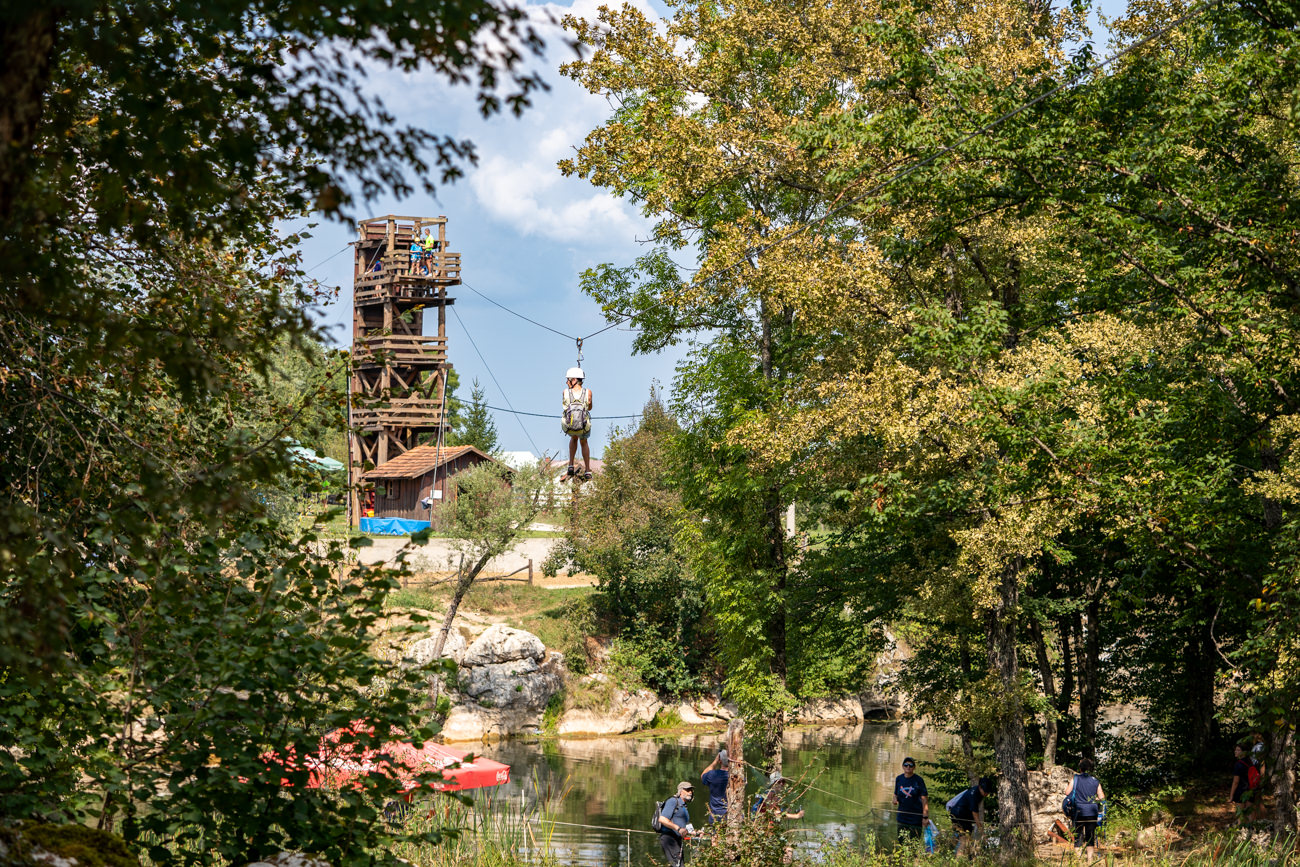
399	281
397	412
397	349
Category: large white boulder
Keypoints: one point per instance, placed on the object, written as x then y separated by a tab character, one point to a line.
500	643
625	712
822	711
421	652
1047	790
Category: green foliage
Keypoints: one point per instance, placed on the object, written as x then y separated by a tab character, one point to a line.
757	843
474	426
74	843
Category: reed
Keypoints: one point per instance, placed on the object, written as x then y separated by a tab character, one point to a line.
492	831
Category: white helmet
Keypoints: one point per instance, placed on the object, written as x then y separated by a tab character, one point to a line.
574	373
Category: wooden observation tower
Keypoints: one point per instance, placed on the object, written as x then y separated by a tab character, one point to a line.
399	374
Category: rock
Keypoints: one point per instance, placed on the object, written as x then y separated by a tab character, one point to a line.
724	711
689	716
421	652
1047	789
1156	836
500	644
830	710
624	712
35	843
506	679
876	706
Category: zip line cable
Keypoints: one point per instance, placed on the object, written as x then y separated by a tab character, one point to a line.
594	416
620	321
323	261
488	367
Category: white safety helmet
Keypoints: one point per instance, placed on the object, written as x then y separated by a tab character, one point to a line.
574	373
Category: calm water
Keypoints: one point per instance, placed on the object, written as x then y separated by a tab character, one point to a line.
609	785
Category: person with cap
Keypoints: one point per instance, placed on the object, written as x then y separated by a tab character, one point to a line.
576	422
966	810
768	802
675	823
716	778
912	800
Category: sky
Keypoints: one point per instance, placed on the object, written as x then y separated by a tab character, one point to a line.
525	233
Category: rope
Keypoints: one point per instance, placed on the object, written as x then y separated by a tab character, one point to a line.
598	827
323	261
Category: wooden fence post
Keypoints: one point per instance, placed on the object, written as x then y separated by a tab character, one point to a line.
735	775
530	571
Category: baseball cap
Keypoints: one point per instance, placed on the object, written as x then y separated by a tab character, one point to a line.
909	761
685	785
987	784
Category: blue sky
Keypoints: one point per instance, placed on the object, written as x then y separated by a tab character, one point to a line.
525	234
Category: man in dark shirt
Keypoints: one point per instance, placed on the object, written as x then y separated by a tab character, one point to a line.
1240	780
967	813
912	800
716	777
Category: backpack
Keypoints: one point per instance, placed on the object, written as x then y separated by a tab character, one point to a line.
1252	776
654	820
1070	806
575	410
954	804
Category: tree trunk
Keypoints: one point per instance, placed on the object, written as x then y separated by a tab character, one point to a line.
26	53
1281	769
1067	668
1009	731
735	776
1051	734
1090	679
967	744
463	583
1202	666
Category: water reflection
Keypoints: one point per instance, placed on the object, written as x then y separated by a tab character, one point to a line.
601	791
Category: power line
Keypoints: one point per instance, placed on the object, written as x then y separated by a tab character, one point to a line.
504	396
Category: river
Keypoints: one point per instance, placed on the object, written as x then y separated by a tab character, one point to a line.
599	793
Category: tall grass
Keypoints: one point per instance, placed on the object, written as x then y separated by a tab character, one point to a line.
493	831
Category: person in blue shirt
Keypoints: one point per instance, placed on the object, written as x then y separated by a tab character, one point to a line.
716	777
675	823
417	256
912	800
1087	797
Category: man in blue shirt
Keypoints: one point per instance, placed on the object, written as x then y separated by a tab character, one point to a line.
967	812
912	800
675	823
716	777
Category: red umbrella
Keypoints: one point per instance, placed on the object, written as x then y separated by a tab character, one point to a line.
340	762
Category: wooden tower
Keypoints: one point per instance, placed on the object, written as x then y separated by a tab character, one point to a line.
399	375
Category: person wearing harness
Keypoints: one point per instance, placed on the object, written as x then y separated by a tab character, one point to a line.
675	823
576	422
1087	796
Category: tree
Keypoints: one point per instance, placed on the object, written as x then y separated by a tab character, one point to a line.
494	504
474	426
162	633
627	532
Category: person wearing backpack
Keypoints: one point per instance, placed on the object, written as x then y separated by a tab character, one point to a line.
966	809
1086	794
675	823
576	421
1240	781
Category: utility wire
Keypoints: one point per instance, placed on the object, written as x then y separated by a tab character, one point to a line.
504	396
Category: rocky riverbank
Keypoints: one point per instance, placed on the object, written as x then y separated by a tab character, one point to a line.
509	684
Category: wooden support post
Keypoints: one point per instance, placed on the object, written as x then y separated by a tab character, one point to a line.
530	571
735	774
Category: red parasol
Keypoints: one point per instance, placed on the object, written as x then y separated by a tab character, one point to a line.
340	763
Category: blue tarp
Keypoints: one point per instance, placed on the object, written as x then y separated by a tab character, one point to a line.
392	526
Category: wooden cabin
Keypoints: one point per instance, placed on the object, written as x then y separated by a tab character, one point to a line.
425	473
